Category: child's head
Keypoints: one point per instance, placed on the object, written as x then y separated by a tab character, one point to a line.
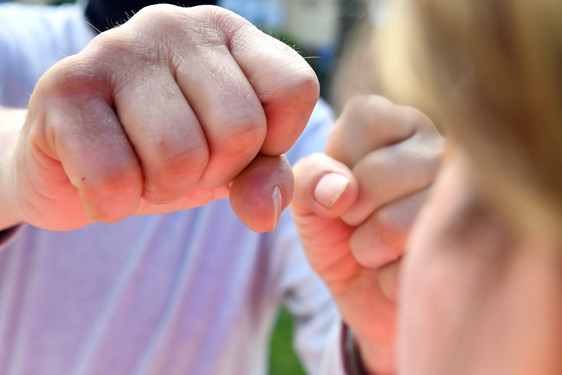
490	74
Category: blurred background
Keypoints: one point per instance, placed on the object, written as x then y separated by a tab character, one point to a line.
331	35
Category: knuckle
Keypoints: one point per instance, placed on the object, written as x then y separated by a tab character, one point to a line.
225	20
356	107
381	162
113	181
376	101
392	227
170	32
202	25
160	18
432	143
297	86
308	83
303	167
416	118
114	44
177	159
245	136
314	160
125	51
172	170
370	105
110	196
387	220
72	78
368	114
154	13
305	86
91	74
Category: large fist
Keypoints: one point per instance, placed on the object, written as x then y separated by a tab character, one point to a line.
162	113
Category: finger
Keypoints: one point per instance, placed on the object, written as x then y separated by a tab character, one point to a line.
190	108
371	122
393	172
227	107
166	134
284	82
382	238
262	191
389	275
323	186
83	133
238	81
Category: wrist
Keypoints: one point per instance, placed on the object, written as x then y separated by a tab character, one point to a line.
363	357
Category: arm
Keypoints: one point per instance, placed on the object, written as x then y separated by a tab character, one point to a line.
354	207
162	113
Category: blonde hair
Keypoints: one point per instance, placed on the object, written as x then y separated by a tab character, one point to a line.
490	73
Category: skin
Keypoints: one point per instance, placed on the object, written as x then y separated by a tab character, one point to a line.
479	295
165	112
473	294
356	244
179	107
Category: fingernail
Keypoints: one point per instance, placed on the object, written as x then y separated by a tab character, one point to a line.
330	188
277	204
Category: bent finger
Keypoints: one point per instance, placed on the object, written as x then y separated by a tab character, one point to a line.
368	123
85	135
230	113
166	135
284	82
262	191
382	238
394	172
389	276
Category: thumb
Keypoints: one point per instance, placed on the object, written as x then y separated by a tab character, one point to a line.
324	190
323	186
262	191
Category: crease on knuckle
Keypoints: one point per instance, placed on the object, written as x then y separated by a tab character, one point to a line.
391	228
111	183
176	159
242	135
301	86
73	78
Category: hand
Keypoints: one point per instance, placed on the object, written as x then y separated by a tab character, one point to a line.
162	113
354	207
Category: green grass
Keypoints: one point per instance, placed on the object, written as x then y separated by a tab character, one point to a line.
283	360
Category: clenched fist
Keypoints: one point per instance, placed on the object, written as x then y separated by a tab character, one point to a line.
164	112
354	207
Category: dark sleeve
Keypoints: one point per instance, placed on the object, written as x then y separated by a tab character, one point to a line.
8	235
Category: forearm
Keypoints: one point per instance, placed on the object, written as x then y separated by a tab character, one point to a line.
11	123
